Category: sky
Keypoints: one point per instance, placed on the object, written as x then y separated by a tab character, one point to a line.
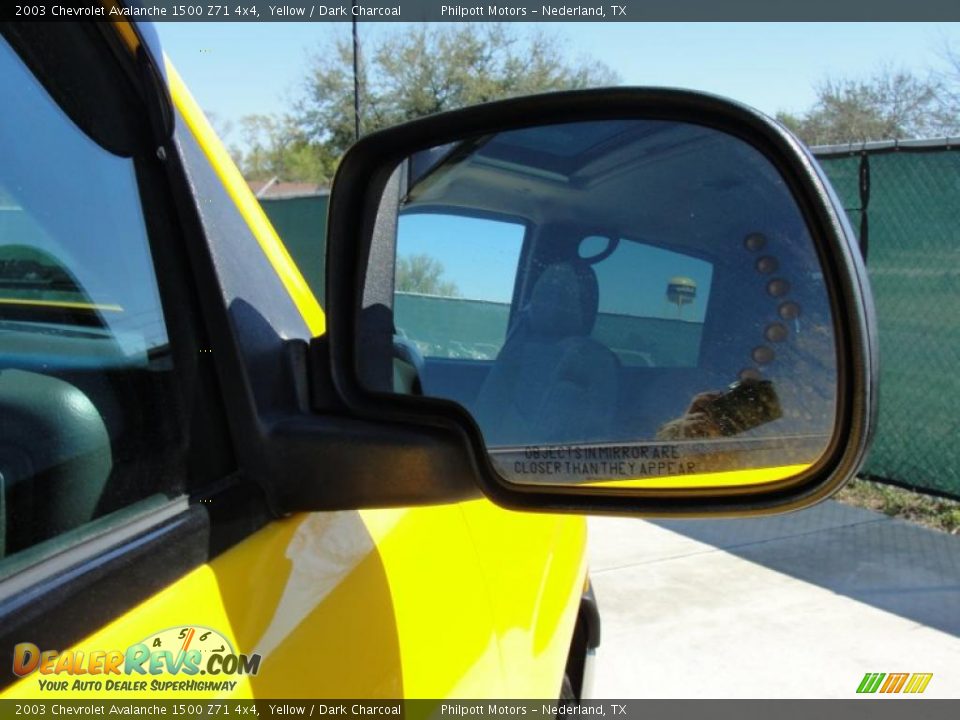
237	69
486	272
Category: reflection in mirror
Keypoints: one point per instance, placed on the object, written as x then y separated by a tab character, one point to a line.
622	302
594	247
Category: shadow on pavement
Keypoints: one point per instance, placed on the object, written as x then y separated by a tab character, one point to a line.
890	564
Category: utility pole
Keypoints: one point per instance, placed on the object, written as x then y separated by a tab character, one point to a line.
356	81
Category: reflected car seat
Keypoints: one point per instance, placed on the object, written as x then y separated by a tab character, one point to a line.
551	381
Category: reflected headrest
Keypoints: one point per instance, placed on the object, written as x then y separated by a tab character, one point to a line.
564	300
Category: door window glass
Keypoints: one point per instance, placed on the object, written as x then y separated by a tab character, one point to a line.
653	303
88	417
454	283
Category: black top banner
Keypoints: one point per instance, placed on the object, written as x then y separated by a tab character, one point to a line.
473	11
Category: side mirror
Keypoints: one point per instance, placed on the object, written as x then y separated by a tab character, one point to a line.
620	300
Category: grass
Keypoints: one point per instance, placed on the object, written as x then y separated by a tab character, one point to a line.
932	512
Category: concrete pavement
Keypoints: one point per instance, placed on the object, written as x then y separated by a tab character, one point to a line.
799	605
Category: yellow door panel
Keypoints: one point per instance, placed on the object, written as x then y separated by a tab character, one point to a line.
444	622
534	568
371	604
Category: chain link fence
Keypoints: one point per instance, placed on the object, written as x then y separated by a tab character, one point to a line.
903	199
904	202
301	222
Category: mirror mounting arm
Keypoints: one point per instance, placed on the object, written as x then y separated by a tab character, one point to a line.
333	462
320	458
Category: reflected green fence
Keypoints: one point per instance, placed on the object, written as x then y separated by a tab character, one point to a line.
453	327
910	195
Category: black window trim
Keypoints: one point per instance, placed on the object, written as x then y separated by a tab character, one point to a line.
66	596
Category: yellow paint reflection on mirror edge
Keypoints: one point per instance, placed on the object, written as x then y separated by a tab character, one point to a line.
700	481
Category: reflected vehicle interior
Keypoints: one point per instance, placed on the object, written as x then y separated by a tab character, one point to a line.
615	282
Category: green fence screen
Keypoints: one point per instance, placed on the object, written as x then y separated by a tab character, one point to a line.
913	257
911	196
302	224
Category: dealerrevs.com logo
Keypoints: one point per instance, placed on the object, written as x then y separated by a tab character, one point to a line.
176	659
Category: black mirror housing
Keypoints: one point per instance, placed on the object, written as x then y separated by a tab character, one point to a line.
360	255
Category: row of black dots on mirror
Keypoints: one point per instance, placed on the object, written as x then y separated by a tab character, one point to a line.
787	310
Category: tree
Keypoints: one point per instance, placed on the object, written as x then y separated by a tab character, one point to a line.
949	78
275	147
403	77
423	274
429	70
223	128
890	105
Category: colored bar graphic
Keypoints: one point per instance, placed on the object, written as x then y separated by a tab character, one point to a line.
895	682
918	683
870	682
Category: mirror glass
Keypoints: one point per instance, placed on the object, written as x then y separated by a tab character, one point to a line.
633	302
